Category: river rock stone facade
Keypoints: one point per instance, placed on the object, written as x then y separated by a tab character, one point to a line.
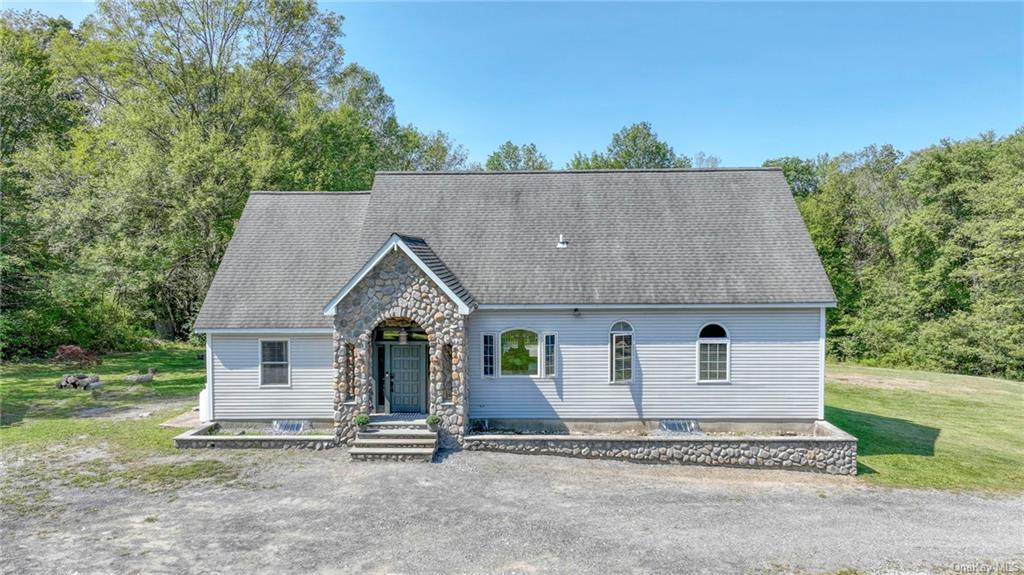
821	455
397	289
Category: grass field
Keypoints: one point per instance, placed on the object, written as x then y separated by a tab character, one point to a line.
27	389
923	429
916	429
108	435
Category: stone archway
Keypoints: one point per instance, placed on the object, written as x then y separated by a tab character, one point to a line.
398	289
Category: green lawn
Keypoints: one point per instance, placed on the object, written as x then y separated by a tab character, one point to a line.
916	429
27	389
34	413
923	429
35	417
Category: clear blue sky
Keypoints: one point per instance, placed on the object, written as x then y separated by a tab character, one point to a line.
743	81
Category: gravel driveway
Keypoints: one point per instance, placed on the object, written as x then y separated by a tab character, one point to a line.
499	513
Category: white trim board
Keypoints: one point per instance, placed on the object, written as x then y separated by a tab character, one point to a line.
622	306
209	376
395	242
821	365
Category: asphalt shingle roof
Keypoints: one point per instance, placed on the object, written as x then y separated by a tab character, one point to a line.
436	265
291	252
715	236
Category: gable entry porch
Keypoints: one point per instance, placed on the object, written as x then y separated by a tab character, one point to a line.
399	348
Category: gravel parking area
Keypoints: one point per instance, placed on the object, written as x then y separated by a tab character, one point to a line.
317	512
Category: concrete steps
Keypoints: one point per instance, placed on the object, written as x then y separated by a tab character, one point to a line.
425	454
394	440
397	442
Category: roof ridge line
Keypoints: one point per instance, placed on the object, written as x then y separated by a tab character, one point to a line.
600	171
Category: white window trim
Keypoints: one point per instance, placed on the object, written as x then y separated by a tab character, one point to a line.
611	353
259	362
727	340
494	350
543	352
540	358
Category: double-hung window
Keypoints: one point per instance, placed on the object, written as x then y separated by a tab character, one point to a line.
620	343
274	366
488	355
713	354
550	354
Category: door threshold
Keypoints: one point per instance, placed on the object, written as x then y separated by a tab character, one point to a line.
397	416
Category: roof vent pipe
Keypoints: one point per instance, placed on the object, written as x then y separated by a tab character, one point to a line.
561	242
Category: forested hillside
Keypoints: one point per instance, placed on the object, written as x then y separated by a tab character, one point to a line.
128	146
925	252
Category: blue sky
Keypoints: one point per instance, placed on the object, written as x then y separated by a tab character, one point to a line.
744	81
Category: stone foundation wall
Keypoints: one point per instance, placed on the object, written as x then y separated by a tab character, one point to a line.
837	456
200	438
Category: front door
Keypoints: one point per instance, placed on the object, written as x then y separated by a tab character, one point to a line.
407	378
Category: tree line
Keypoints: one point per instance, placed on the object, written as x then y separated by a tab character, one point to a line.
129	144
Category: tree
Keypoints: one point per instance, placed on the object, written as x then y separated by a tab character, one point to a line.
804	176
923	252
360	89
702	160
632	147
509	157
429	152
182	90
36	106
129	147
398	147
33	101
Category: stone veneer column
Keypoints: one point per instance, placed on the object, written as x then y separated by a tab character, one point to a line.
397	289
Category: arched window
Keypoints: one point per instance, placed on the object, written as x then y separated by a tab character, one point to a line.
620	352
713	354
519	354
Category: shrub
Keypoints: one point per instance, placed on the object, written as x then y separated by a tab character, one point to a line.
95	324
362	420
433	419
72	354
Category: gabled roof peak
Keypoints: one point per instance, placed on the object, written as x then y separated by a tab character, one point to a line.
420	253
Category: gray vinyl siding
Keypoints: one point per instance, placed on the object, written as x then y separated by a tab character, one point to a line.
775	366
237	394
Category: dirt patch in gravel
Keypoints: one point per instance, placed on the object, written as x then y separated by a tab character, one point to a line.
139	411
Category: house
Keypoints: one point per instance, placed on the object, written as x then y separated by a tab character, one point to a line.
521	299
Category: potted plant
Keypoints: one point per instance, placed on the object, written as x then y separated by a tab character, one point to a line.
433	420
361	421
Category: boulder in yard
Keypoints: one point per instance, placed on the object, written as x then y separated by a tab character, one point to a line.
79	381
142	378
